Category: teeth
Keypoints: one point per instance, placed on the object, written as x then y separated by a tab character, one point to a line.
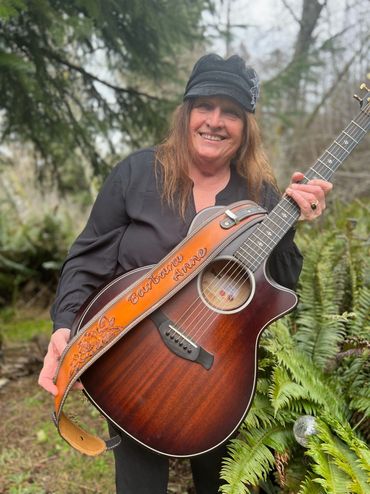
211	137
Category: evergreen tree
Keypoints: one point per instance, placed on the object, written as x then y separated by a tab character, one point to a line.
80	76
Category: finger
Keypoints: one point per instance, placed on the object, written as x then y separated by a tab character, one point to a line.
325	186
312	193
46	380
78	385
297	177
48	385
60	340
310	207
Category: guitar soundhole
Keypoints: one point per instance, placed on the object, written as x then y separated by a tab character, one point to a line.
226	285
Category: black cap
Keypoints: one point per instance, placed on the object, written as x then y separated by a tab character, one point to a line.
212	75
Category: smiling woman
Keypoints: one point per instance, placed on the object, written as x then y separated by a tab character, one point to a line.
216	130
212	155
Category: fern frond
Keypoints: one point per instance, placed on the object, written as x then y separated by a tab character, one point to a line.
328	475
347	435
260	413
322	285
310	486
351	471
303	371
283	390
360	324
354	373
332	284
250	458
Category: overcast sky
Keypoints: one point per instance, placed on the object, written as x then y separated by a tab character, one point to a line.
271	25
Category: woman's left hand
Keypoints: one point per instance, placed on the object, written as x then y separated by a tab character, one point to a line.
309	197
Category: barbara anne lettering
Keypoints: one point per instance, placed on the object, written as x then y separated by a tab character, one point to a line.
176	266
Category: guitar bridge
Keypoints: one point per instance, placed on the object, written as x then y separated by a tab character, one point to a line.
178	343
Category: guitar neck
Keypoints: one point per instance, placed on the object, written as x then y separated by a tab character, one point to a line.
285	215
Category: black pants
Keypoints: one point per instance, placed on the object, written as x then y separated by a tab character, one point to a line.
140	471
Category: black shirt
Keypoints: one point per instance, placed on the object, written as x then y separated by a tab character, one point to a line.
130	226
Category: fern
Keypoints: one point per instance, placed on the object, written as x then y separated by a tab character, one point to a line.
322	290
315	362
310	486
360	324
303	371
328	475
349	471
283	390
251	457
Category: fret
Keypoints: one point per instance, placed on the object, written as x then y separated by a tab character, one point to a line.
270	235
280	227
319	174
285	211
326	166
252	262
245	255
258	244
359	126
353	139
331	154
340	145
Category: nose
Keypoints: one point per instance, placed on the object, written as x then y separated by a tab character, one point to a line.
214	119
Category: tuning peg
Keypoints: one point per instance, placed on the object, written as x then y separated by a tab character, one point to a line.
363	86
360	100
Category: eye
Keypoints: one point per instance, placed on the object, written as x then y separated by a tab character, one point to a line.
203	106
233	113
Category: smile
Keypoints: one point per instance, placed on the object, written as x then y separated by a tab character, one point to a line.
211	137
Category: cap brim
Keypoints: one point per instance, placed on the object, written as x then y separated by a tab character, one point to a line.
219	90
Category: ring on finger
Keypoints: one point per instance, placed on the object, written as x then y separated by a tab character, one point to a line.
314	205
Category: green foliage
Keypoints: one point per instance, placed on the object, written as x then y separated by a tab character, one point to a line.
85	79
23	328
9	8
32	249
315	362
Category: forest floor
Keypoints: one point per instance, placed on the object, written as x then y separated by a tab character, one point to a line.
33	458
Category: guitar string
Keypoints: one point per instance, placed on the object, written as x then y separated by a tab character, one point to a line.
233	267
238	268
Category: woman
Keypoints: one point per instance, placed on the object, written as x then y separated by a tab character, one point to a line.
212	156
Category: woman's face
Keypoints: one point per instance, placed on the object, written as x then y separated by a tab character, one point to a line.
216	129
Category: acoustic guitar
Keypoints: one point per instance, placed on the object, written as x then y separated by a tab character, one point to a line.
182	380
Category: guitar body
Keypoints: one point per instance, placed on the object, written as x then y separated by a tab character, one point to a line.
149	384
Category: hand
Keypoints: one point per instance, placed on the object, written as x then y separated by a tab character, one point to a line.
57	344
309	197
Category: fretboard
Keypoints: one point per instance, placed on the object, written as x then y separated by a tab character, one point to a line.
272	229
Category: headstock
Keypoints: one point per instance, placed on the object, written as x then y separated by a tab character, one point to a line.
366	97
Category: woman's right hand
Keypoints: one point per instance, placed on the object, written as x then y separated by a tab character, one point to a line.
57	344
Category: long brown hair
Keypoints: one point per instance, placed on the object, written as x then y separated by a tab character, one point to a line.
174	153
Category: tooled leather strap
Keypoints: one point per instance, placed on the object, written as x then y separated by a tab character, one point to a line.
126	310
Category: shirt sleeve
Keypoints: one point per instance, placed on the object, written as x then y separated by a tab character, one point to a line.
285	262
92	259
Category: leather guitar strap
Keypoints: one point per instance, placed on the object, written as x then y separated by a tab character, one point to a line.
135	303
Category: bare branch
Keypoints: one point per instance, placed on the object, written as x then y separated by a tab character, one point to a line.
90	76
327	94
290	10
